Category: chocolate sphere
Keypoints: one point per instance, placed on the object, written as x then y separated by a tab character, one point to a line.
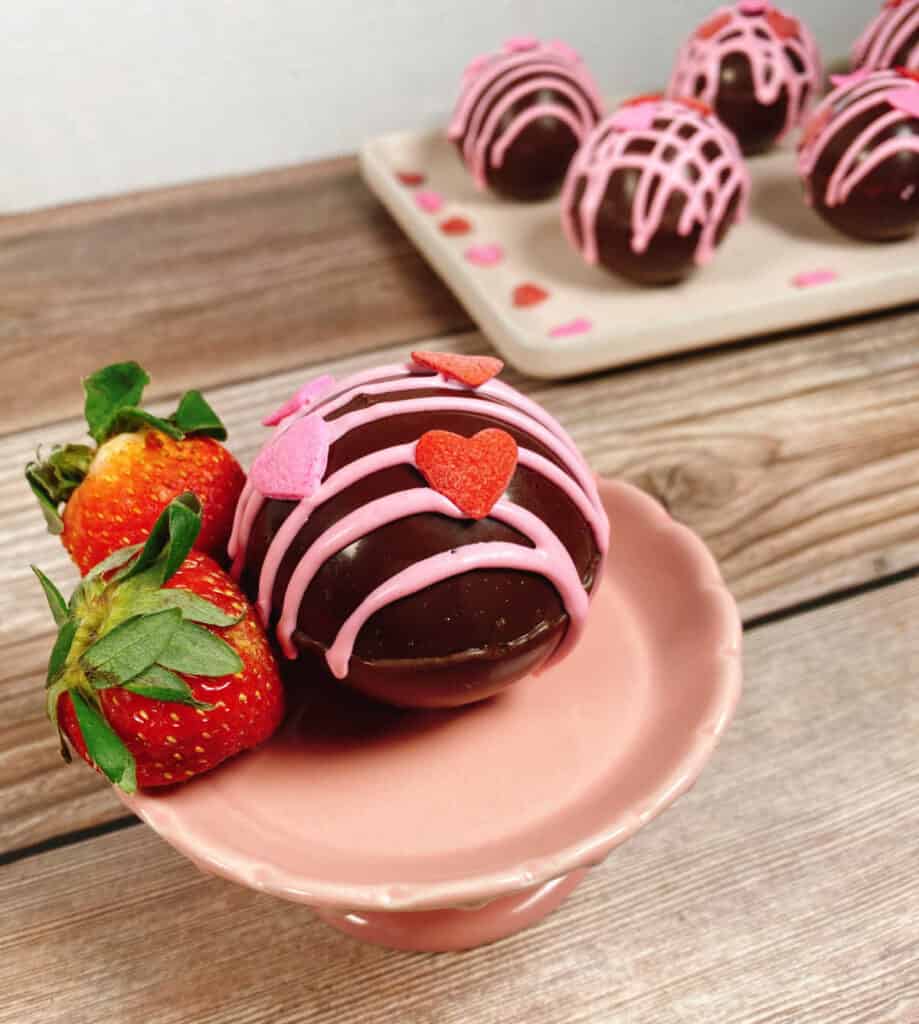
859	157
513	581
891	40
521	115
757	67
654	190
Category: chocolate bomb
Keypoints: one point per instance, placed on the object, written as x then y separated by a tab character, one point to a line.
758	68
654	190
859	157
891	39
521	116
474	632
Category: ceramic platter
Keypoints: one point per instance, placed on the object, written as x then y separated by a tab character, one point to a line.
443	830
551	315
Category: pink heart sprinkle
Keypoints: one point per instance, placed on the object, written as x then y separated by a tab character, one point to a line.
752	6
307	394
810	278
581	325
520	44
484	255
906	99
564	50
634	118
429	201
841	81
292	464
476	65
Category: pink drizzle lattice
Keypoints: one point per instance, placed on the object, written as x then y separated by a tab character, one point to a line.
677	151
882	43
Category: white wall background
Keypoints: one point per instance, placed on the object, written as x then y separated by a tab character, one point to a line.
103	96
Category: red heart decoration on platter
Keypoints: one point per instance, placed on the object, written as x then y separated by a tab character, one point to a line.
783	26
473	472
529	295
473	371
456	226
411	179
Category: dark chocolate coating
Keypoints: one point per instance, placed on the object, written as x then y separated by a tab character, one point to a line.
756	125
535	163
874	210
670	256
460	640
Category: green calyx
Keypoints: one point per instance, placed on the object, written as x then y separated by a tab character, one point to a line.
122	628
113	396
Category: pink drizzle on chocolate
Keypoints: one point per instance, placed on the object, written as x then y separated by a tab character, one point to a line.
547	556
885	91
493	85
677	151
891	38
762	34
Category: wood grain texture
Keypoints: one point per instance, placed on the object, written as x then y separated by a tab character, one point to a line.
782	890
206	284
797	462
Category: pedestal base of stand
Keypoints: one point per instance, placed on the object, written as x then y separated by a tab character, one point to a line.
448	931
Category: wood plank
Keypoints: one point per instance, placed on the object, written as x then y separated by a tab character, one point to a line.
782	889
796	460
207	283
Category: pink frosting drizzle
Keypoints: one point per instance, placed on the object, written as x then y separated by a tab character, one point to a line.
675	165
548	556
701	58
493	84
886	35
811	278
842	106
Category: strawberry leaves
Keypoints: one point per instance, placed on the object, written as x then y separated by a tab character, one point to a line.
53	480
104	745
112	406
123	628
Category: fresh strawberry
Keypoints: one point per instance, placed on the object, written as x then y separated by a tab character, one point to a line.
161	669
113	493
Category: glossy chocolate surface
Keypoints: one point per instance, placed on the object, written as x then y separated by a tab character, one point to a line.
535	163
875	209
459	640
756	125
670	256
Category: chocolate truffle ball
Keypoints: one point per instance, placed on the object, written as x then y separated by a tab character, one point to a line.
521	115
859	157
757	67
653	191
891	39
423	533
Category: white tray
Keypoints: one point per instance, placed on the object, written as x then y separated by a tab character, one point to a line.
747	290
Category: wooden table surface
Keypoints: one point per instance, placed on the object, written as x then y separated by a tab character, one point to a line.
784	889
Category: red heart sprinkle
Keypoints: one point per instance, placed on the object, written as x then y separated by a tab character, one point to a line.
783	26
713	26
472	472
645	97
456	226
908	73
411	179
473	371
529	295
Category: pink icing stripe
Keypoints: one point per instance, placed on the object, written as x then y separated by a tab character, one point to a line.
384	459
383	410
549	558
770	66
676	165
843	106
595	520
877	47
485	100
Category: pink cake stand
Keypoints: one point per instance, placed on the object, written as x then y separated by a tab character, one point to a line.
443	830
